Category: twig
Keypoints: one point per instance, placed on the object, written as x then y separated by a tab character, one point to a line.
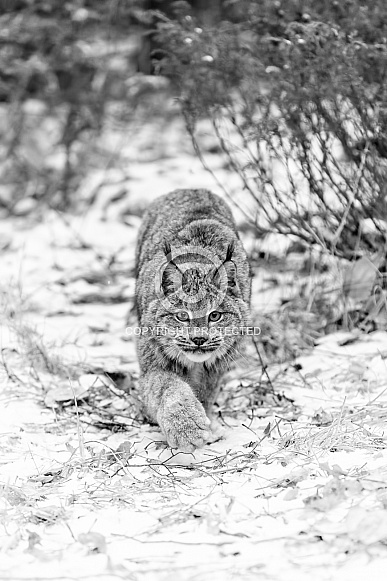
264	366
79	425
353	197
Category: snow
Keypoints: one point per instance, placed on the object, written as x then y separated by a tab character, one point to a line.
294	490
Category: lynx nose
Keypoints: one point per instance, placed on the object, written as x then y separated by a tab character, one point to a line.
199	341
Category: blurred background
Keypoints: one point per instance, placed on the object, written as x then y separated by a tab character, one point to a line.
278	106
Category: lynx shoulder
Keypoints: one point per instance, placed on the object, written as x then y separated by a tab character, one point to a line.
193	290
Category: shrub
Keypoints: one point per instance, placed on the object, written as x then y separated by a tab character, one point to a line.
296	95
61	65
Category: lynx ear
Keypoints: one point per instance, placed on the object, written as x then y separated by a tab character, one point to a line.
171	276
167	249
168	253
229	252
171	280
231	270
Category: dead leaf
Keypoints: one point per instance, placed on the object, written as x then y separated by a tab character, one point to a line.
291	494
334	470
95	542
46	514
89	380
13	495
125	450
322	418
359	279
64	393
376	307
33	539
120	404
328	497
376	371
367	527
358	368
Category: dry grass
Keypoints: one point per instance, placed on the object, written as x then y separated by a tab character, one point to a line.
102	483
353	427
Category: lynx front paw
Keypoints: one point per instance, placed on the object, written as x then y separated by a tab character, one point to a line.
184	422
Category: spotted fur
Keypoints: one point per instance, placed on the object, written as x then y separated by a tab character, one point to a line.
191	263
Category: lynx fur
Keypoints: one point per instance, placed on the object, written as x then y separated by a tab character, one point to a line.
193	291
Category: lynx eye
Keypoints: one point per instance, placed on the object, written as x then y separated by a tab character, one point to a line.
215	316
182	316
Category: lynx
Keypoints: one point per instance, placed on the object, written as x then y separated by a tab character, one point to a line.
192	298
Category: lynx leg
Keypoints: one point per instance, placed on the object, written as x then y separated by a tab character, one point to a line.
171	402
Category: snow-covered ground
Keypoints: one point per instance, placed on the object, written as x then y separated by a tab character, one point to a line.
295	489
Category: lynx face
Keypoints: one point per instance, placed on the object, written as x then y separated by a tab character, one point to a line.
207	339
200	309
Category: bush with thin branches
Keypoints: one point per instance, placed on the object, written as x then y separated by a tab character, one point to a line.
298	102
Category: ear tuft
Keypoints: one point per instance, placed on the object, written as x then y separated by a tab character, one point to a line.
166	248
230	252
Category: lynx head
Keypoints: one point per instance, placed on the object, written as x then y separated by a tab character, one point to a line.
200	306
